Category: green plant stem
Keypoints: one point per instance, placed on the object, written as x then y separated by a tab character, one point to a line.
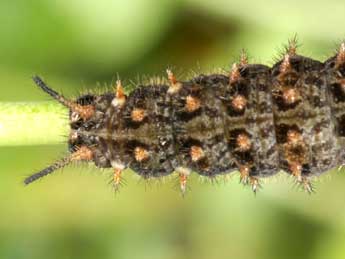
28	123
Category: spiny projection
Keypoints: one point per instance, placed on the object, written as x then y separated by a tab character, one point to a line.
255	120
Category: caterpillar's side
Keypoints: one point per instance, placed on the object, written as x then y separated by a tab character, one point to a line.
256	120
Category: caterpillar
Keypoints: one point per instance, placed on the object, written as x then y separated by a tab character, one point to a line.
255	119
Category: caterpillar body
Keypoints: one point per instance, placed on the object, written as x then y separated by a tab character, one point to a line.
256	120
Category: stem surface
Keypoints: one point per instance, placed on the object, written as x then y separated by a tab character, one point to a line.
35	123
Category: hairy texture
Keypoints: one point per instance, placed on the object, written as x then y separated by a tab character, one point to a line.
256	120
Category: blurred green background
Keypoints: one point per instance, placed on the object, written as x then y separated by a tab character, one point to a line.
84	44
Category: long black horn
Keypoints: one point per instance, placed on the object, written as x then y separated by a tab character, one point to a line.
85	112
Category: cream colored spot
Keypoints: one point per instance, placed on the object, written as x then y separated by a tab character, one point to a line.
138	114
196	153
141	154
291	95
243	142
192	103
239	102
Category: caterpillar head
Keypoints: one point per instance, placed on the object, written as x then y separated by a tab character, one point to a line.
86	116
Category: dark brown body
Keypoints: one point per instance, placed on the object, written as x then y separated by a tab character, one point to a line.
256	120
168	130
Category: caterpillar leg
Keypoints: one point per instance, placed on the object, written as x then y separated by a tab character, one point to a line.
120	97
302	181
117	179
175	85
307	185
183	174
247	179
255	184
244	175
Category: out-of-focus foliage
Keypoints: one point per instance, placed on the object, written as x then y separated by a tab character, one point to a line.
78	45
